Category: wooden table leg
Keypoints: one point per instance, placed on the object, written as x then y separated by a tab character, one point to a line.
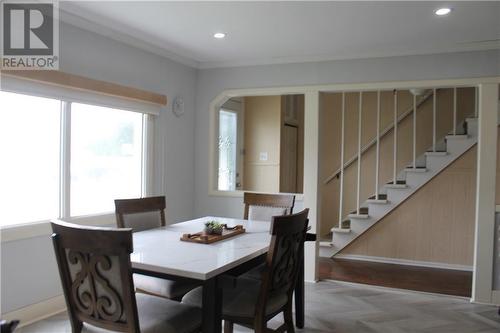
212	307
299	297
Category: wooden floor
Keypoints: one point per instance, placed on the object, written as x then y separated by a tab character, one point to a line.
339	307
433	280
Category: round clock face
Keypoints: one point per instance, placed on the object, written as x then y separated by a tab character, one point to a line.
178	106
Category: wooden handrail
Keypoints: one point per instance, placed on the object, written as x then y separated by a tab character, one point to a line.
374	141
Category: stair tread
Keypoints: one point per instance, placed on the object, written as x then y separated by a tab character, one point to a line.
457	136
341	230
417	169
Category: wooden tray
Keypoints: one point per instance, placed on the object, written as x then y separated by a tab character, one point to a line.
200	237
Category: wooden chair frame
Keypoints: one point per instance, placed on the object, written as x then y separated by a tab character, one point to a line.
269	200
294	225
96	241
140	205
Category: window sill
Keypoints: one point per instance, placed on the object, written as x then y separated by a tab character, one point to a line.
42	228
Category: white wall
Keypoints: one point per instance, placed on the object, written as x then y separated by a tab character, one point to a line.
212	82
28	269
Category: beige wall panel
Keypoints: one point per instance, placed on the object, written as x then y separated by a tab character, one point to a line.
262	134
436	224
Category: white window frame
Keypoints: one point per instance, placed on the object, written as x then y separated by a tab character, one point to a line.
42	228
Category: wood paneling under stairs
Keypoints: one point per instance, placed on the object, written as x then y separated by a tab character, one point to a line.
433	280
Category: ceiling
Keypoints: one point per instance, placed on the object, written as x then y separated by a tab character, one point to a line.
284	32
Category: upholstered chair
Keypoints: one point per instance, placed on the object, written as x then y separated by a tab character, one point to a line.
143	214
95	269
253	302
262	206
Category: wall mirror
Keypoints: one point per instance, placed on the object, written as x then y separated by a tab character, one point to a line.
260	144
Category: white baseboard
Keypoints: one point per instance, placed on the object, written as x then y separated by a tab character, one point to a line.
38	311
405	262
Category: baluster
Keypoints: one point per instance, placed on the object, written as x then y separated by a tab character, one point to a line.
455	111
395	149
377	161
341	201
414	131
434	103
358	189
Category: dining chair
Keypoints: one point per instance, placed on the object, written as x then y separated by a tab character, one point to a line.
95	270
252	302
142	214
263	206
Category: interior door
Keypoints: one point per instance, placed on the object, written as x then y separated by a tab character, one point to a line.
289	159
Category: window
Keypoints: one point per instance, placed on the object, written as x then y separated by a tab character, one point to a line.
228	123
105	160
106	157
29	168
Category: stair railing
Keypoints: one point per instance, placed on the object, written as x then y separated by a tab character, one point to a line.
370	144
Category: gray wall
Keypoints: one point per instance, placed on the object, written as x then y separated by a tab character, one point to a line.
212	82
28	269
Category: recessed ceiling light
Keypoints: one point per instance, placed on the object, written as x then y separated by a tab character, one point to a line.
219	35
442	11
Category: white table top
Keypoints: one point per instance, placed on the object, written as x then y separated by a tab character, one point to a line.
161	250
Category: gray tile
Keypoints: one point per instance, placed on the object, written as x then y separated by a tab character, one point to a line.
336	307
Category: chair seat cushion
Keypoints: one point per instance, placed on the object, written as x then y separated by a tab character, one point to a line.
162	287
240	301
160	315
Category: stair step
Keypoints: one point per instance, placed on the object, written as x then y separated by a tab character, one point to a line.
399	184
341	230
362	210
358	216
326	244
436	153
379	201
457	137
417	169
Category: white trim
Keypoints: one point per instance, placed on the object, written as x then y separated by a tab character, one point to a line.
225	95
37	311
65	161
482	280
405	262
311	177
42	228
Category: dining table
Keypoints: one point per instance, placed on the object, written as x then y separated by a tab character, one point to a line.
159	252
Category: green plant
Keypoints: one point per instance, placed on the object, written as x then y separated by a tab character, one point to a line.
213	225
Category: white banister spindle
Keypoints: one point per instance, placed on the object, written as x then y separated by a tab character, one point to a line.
358	189
341	192
395	148
455	111
414	131
377	158
434	104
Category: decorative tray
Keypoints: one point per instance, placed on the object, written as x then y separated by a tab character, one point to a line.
204	238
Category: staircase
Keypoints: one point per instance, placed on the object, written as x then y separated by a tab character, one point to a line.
423	168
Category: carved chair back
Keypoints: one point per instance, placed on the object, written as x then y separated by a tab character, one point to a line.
261	206
94	265
283	258
140	214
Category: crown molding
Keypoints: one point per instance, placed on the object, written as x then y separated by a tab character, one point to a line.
120	36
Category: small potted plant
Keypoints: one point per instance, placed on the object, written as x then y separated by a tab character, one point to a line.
213	228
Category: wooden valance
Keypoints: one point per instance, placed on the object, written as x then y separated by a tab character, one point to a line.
67	80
